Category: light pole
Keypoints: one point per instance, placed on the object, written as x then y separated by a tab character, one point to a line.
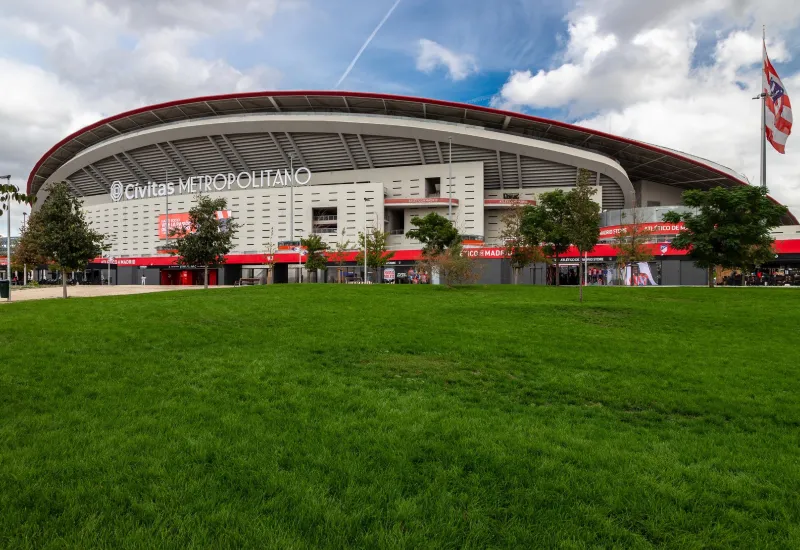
291	218
24	266
450	181
366	260
8	237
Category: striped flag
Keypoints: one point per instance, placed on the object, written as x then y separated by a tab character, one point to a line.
778	108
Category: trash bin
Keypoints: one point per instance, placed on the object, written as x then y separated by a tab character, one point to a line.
5	288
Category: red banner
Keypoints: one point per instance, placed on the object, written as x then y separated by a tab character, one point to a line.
179	221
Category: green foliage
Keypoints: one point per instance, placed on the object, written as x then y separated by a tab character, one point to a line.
402	417
28	250
546	223
435	232
58	232
377	251
583	219
315	252
208	239
9	193
520	248
731	227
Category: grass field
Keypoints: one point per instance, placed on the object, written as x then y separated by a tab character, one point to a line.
402	417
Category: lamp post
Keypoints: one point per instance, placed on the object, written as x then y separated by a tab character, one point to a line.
291	218
8	238
450	181
24	266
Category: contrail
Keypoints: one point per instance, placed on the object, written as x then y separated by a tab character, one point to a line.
364	47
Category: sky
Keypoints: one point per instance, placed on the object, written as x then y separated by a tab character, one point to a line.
681	73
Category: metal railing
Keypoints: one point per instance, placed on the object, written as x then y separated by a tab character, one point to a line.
326	218
397	232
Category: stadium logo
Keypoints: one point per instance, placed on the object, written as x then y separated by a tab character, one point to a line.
116	191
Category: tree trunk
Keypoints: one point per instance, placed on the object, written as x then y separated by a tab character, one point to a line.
516	273
64	282
558	271
580	281
205	278
711	277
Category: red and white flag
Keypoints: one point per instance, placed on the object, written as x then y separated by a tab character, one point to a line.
778	108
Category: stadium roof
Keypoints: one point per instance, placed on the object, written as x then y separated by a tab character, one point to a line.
642	161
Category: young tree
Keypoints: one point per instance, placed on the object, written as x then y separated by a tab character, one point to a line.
631	242
339	255
583	221
27	251
455	267
315	253
521	249
548	221
435	232
208	239
269	256
437	235
62	235
730	228
377	253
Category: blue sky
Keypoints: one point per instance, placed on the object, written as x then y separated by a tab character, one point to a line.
678	73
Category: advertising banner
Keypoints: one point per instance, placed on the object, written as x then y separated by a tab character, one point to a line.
179	221
656	228
639	274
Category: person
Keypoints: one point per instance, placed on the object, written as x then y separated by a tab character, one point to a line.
144	279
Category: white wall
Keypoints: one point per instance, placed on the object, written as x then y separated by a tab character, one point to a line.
667	195
132	226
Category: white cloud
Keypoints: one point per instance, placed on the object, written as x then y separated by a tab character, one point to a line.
433	55
67	63
638	73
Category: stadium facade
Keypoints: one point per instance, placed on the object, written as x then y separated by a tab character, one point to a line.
295	163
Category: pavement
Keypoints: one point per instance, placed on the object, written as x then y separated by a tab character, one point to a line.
90	291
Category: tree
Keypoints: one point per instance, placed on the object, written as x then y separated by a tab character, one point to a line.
377	253
455	267
435	232
548	221
339	255
583	220
730	227
631	242
315	253
9	193
521	250
27	251
61	234
269	256
208	239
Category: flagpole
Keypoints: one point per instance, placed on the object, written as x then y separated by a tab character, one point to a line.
763	112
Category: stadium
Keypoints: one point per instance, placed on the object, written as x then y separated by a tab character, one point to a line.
332	163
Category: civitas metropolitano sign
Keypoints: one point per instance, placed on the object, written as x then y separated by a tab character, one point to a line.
210	184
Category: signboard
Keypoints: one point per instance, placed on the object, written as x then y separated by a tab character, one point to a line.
389	274
179	221
209	184
656	228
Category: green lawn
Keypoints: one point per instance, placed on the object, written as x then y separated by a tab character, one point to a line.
402	417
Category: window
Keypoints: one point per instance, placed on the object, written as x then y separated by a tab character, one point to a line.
511	196
396	220
325	221
653	203
433	187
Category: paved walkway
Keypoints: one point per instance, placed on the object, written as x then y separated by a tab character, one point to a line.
88	291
